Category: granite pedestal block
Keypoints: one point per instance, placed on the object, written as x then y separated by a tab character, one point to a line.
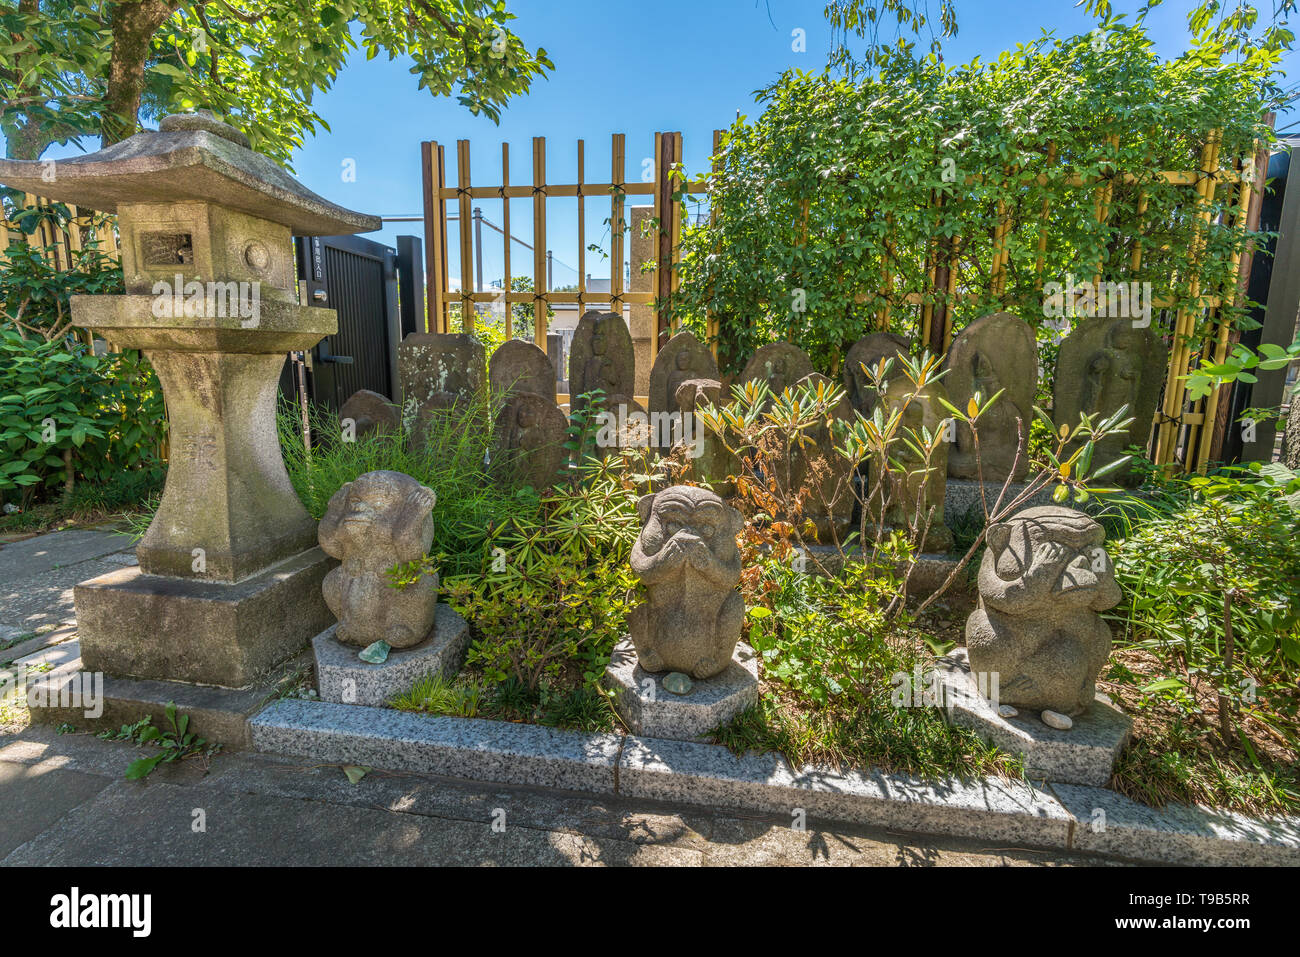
343	678
1085	754
134	625
650	709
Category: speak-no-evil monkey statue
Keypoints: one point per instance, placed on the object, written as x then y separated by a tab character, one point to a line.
686	556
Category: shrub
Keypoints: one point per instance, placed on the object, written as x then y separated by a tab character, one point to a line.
66	413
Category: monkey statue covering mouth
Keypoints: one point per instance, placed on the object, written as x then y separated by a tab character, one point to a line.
379	520
687	558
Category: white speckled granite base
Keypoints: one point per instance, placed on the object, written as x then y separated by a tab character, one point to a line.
693	773
1062	817
648	708
346	679
470	748
1085	754
1110	823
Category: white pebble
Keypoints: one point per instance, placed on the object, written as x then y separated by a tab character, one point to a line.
1007	711
1058	721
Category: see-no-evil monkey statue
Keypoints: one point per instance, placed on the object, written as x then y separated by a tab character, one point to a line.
687	558
1042	580
379	520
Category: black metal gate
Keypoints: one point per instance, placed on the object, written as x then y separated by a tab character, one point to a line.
359	279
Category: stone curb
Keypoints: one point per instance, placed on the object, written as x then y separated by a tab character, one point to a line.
1065	817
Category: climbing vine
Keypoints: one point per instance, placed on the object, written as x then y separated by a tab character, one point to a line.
838	203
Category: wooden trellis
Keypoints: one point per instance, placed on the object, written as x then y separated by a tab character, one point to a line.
438	193
1193	429
60	246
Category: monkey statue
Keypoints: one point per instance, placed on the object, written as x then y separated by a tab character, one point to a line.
379	520
687	558
1043	578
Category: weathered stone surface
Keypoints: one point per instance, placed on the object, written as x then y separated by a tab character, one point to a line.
684	358
438	373
686	556
601	357
1084	754
136	625
344	678
192	158
913	483
709	460
519	366
370	412
227	581
1042	580
995	352
218	714
379	520
864	357
649	704
530	435
227	491
779	364
1104	364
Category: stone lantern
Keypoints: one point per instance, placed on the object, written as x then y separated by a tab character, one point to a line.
229	577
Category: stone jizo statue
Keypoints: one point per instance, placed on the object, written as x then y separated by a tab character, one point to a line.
530	435
379	520
1104	364
994	353
779	364
863	358
601	357
1044	577
686	556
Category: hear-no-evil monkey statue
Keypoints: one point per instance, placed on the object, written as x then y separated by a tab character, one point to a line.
379	520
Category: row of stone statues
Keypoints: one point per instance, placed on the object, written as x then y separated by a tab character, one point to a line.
1044	577
1102	365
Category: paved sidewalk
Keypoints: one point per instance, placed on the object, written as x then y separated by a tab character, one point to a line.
65	802
37	576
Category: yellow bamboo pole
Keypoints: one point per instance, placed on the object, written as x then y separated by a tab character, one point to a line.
540	288
505	226
1246	192
618	169
468	311
1041	261
1185	320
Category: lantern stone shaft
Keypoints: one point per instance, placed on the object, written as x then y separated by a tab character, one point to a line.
206	229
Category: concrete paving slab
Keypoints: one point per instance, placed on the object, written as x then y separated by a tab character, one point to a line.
34	556
33	797
189	827
60	653
46	598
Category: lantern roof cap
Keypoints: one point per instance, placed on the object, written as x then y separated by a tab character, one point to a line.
191	157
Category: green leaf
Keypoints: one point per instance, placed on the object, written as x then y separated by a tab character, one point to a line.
142	767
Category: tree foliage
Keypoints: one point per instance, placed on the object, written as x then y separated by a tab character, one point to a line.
73	68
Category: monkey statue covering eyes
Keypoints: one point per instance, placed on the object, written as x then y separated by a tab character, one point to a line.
1042	580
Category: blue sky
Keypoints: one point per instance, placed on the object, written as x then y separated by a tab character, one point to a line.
620	66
